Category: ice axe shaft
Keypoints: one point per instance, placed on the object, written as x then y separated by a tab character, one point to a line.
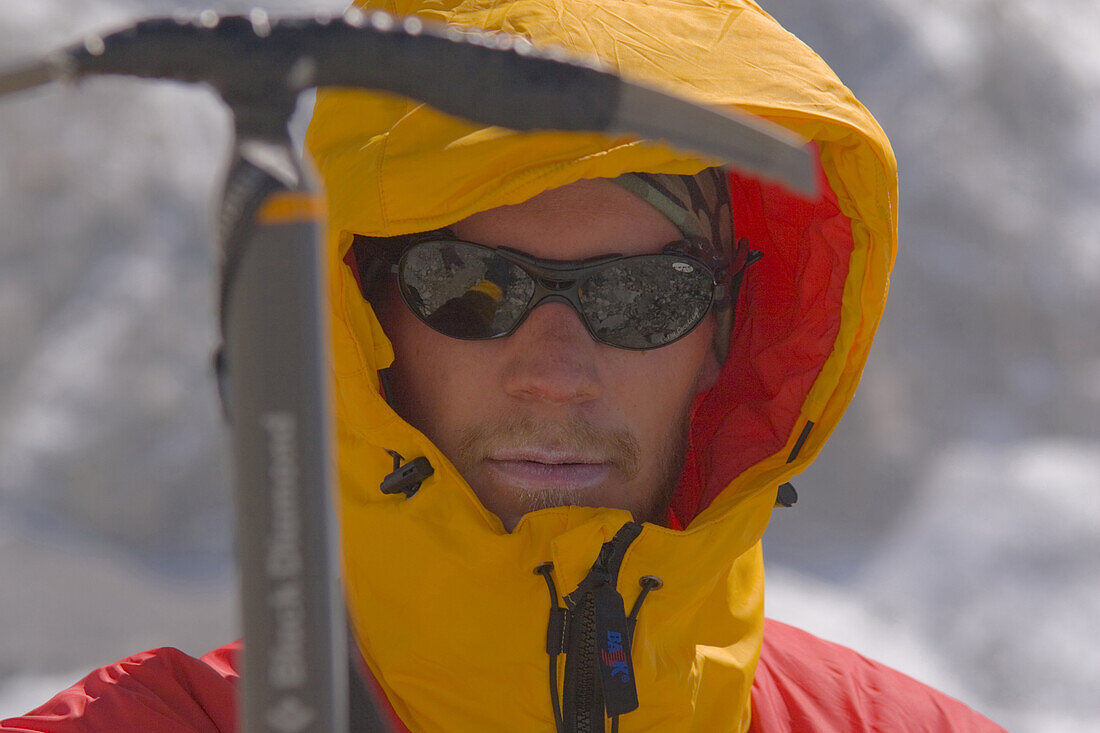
274	380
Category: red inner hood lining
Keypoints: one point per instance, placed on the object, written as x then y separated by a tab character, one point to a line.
787	319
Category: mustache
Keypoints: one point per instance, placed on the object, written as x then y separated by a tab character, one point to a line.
574	434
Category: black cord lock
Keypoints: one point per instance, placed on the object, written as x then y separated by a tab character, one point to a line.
406	479
786	496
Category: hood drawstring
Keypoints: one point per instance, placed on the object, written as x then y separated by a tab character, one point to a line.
555	640
596	636
648	583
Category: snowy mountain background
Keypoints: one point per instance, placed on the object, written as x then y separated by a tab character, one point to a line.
951	529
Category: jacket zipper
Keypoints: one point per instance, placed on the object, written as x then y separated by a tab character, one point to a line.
599	675
581	647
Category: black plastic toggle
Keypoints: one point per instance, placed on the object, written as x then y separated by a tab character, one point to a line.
407	479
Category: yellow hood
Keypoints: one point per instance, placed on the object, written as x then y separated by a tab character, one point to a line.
448	611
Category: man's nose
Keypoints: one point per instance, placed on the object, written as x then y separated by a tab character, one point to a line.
552	358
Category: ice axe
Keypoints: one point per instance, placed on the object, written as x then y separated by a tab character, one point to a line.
273	369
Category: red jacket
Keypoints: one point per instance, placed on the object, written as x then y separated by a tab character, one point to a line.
802	684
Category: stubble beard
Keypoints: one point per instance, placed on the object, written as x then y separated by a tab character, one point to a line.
673	453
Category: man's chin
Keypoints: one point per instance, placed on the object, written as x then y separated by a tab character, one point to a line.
512	503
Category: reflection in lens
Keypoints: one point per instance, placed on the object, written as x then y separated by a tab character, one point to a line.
646	302
463	290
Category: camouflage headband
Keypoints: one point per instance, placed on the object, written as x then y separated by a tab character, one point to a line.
699	206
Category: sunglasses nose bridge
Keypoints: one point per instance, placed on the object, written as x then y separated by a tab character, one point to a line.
557	285
569	300
545	295
546	277
567	296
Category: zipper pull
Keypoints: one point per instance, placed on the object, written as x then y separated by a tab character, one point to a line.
599	673
620	694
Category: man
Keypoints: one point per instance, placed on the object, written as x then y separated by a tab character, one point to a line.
548	416
568	328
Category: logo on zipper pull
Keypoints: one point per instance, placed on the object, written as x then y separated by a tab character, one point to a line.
616	666
615	657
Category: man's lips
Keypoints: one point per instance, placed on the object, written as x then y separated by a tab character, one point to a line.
534	470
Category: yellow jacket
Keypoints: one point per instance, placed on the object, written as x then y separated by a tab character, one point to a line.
448	612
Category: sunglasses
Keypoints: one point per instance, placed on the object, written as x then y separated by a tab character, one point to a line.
473	292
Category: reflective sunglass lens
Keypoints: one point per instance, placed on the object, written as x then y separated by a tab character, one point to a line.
646	302
463	290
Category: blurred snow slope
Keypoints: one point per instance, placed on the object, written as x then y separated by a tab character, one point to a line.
949	530
988	586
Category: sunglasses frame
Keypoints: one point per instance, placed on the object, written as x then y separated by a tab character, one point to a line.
559	281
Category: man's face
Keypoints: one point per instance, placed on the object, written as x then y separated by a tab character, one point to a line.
547	416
